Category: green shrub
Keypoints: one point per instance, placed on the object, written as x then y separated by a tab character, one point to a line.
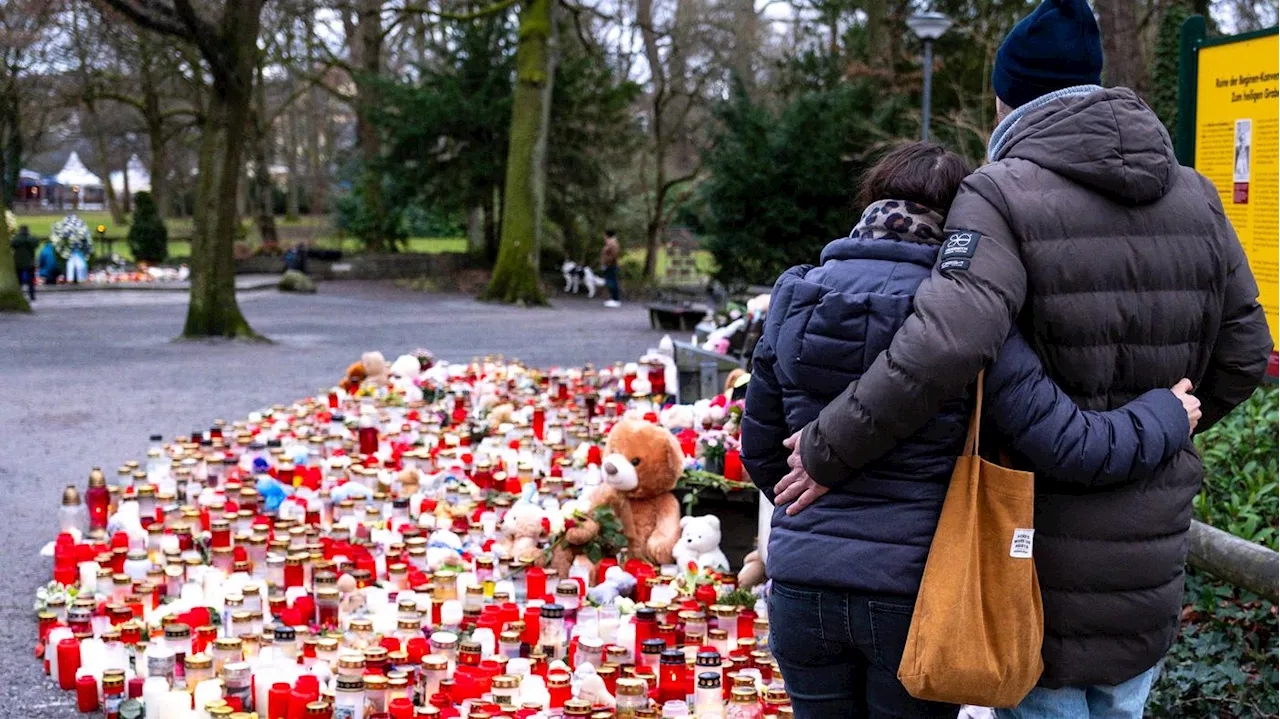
148	237
1240	468
1224	662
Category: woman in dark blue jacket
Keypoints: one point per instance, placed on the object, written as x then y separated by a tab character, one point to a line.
846	570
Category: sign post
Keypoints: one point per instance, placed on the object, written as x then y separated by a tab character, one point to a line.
1229	130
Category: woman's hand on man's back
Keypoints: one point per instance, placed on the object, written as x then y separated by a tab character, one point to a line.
796	486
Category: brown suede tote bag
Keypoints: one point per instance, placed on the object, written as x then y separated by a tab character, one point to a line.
978	623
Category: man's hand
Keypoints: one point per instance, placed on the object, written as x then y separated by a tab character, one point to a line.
1182	390
797	485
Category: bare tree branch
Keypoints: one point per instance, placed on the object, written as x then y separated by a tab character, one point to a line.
152	15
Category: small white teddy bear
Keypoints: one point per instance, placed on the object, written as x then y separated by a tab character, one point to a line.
700	543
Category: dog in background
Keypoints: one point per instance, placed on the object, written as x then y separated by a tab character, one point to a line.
579	277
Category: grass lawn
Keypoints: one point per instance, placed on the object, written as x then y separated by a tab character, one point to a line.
180	229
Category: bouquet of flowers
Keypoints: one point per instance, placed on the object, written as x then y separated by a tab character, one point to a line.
11	222
71	234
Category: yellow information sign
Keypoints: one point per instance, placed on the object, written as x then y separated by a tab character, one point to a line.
1238	149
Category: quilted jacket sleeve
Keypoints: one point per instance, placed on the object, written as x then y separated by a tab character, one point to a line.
963	313
1066	444
764	425
1239	356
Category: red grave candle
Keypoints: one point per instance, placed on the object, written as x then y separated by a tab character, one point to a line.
535	582
278	700
68	662
97	498
733	465
539	423
86	694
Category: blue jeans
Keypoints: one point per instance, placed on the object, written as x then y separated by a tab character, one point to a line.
27	277
839	654
611	282
1123	701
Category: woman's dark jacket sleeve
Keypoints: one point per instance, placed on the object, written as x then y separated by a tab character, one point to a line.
764	423
1066	444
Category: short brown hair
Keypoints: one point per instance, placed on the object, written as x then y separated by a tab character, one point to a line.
922	172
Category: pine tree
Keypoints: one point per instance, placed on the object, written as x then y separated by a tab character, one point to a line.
148	237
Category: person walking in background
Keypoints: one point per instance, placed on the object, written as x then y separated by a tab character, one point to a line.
847	569
1124	273
47	265
24	258
609	268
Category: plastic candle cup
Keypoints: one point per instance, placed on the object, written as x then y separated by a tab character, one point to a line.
86	694
632	697
68	662
237	681
349	699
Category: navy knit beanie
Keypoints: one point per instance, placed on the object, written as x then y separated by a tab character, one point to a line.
1056	46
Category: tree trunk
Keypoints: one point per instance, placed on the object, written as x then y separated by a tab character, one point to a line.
1121	46
100	147
879	35
124	178
658	96
291	210
154	120
475	230
159	168
515	276
213	310
492	210
11	297
316	102
369	58
266	215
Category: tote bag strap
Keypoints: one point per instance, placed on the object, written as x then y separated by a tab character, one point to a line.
975	422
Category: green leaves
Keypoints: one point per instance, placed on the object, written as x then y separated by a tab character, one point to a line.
1240	493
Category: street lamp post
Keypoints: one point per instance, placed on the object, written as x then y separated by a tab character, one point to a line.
928	26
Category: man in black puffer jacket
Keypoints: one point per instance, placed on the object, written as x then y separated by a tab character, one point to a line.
1124	274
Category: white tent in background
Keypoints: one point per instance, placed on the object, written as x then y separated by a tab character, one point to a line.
75	174
77	188
139	178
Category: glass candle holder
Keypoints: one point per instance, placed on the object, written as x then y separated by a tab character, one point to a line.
197	668
551	631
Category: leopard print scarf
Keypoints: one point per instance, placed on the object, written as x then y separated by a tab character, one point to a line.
900	220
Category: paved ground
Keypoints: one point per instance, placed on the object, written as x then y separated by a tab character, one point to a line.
85	379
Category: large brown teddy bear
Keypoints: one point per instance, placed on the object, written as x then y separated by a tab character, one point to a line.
642	462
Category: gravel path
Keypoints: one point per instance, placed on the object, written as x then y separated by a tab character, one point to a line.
88	376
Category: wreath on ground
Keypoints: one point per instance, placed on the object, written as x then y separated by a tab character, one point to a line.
71	234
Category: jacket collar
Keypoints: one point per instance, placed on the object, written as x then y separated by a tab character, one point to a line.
893	230
1004	131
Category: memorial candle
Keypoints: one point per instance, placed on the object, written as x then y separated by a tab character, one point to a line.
97	498
68	662
86	694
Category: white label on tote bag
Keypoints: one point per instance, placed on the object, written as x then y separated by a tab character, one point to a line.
1021	546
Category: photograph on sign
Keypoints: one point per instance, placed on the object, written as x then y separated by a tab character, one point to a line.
1240	175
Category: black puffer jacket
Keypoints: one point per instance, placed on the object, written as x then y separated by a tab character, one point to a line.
1124	275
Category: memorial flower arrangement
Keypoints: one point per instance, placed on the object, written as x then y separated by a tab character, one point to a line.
71	234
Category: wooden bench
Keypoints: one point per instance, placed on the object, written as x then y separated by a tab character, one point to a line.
673	317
